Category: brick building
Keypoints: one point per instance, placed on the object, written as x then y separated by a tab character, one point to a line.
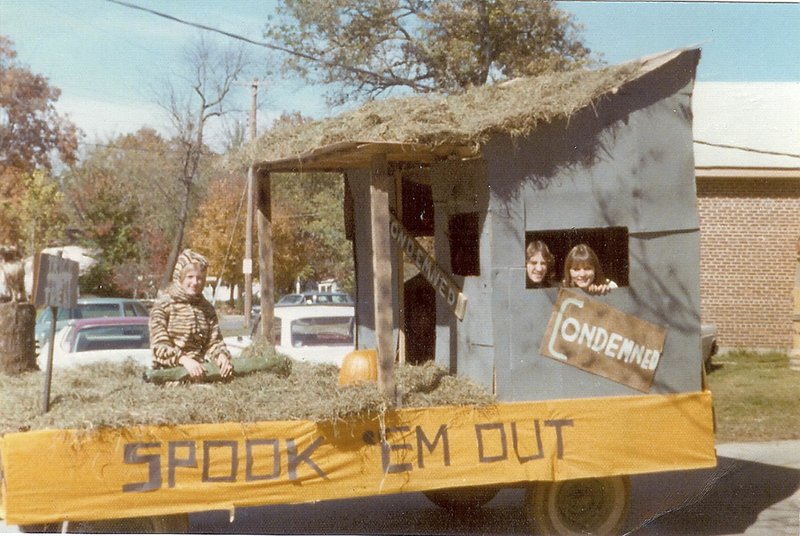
747	162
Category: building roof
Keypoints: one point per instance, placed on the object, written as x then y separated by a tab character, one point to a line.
741	125
428	128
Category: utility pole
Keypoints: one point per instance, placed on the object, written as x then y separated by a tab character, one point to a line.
247	263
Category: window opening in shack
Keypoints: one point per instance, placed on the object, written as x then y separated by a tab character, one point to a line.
609	243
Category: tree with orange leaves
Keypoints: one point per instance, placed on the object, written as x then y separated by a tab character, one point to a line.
32	134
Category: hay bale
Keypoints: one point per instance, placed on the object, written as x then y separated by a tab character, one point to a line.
109	395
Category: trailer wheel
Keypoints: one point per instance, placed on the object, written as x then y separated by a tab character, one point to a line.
41	527
172	524
585	506
460	499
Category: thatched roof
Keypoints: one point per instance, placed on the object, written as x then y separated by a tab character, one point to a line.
427	128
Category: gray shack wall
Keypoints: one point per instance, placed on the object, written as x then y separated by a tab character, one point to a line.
626	162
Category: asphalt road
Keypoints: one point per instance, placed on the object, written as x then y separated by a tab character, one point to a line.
754	491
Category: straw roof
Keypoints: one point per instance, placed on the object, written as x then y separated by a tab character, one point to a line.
423	129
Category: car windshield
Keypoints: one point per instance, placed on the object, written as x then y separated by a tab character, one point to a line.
322	331
89	310
333	298
112	338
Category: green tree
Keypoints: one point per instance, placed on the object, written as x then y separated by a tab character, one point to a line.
365	48
218	228
140	169
112	229
308	230
42	216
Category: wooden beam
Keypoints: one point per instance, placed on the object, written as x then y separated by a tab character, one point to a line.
382	274
265	248
401	285
358	154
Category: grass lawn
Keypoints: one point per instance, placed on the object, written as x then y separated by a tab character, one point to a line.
756	397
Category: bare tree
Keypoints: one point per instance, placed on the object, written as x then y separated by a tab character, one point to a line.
212	73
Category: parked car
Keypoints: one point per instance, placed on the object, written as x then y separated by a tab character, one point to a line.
316	298
89	307
708	344
314	333
309	298
92	340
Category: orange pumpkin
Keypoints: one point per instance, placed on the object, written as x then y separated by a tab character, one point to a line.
359	366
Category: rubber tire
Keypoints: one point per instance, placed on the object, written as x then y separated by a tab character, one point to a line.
461	499
41	527
171	524
586	506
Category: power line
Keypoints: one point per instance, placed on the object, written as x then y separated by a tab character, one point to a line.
747	149
362	72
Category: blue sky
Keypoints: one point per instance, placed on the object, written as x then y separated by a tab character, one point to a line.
107	59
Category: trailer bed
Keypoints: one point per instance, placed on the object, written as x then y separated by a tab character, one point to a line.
57	475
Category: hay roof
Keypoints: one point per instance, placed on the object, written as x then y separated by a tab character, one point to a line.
426	128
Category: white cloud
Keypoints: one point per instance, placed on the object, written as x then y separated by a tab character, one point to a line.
101	120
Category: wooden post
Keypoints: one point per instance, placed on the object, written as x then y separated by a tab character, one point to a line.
17	341
382	274
265	248
401	302
247	263
48	369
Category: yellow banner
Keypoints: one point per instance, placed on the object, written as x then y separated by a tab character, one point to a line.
56	475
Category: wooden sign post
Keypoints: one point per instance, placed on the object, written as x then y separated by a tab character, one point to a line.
55	284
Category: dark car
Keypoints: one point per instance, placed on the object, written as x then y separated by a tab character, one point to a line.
89	307
105	339
316	298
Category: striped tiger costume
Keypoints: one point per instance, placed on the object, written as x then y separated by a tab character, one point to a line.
185	325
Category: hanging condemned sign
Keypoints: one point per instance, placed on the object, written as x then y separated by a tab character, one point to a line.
602	340
430	270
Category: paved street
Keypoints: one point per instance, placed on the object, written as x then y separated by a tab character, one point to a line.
754	491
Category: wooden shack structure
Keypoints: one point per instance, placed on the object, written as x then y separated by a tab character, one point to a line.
600	157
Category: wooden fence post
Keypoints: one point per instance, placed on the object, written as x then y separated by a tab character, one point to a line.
382	274
265	248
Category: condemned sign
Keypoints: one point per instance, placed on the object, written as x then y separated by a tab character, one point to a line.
429	269
602	340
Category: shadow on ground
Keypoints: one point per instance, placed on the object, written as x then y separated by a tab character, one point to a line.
726	500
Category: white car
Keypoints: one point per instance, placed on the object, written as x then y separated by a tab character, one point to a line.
312	333
93	340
